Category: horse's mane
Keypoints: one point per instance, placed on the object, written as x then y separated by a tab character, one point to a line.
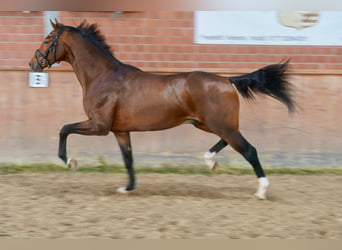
92	33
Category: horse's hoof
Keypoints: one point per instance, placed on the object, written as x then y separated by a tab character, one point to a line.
262	189
260	196
123	190
72	164
214	168
212	164
261	193
209	160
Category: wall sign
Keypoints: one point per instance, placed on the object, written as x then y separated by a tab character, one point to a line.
269	27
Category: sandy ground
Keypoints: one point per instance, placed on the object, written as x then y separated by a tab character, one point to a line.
79	205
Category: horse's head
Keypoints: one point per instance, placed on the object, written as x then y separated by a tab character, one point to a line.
51	50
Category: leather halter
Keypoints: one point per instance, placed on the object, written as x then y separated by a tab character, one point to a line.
52	48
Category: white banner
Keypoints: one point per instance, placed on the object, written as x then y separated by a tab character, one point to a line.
269	27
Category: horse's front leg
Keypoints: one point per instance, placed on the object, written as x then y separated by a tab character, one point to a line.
124	142
89	127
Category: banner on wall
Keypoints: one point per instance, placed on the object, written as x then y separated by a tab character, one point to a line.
268	27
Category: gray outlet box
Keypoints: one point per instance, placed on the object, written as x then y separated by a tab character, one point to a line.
38	79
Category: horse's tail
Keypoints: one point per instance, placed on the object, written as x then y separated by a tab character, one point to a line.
270	80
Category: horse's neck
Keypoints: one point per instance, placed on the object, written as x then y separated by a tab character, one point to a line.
90	64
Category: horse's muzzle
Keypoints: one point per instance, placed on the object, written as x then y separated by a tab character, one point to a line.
35	66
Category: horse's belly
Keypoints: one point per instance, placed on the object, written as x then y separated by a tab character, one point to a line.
143	119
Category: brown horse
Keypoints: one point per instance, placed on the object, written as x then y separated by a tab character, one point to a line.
120	98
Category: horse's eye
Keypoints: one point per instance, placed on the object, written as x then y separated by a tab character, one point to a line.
46	42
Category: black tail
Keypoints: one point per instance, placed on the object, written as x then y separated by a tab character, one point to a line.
270	80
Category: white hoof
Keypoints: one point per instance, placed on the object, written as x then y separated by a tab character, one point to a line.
212	164
261	194
72	163
122	190
262	189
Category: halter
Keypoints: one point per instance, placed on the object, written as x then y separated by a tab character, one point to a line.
52	48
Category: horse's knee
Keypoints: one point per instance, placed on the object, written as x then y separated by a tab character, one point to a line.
65	130
102	130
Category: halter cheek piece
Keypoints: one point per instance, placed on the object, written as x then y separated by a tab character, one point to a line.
53	49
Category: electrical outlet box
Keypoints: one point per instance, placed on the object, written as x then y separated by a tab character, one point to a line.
38	79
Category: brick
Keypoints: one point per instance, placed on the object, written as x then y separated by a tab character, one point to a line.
158	39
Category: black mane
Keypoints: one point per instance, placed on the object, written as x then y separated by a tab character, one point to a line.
92	33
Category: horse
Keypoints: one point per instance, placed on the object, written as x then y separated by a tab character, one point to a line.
121	98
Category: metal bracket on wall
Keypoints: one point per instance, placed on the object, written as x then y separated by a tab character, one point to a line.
116	14
38	80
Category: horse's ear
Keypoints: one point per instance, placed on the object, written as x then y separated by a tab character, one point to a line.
54	25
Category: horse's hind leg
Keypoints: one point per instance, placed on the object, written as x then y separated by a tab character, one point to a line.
124	142
209	155
240	144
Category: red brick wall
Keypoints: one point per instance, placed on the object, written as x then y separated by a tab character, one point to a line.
19	36
160	41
